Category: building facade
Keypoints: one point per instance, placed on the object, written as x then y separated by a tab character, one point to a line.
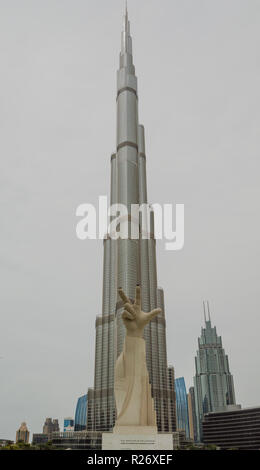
80	422
41	438
5	442
182	414
238	429
50	426
23	433
213	382
68	425
128	262
171	381
192	413
78	440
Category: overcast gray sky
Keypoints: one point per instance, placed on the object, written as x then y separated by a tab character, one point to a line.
198	65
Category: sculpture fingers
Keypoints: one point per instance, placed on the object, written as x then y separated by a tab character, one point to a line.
123	296
138	295
127	316
153	313
130	309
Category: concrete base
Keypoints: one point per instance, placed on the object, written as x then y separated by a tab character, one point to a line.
136	439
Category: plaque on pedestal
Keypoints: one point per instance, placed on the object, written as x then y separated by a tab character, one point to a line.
136	438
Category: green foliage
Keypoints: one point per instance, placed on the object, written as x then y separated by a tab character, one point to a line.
20	445
210	447
192	447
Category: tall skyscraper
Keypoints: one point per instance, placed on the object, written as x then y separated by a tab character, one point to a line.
128	262
213	382
23	434
182	413
80	422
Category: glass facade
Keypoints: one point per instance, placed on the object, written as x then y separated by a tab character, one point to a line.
81	414
128	262
213	382
182	413
68	424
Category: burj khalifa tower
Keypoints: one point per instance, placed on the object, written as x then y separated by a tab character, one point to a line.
128	262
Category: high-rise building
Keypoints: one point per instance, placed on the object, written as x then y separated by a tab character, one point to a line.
80	422
192	413
23	433
68	424
55	425
182	414
128	262
171	381
213	382
50	426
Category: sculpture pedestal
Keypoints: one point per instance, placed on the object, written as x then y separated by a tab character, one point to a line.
136	438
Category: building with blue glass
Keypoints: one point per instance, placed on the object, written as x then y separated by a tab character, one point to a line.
182	413
81	414
68	424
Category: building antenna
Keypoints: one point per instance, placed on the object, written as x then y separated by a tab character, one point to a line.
208	310
204	308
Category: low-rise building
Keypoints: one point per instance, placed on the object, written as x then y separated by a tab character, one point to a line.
236	429
77	440
5	442
40	438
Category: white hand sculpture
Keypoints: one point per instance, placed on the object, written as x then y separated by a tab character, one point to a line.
133	317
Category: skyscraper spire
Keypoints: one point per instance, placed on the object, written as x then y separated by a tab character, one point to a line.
208	310
204	309
126	42
126	18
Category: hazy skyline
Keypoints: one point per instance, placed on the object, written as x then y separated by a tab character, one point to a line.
198	68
